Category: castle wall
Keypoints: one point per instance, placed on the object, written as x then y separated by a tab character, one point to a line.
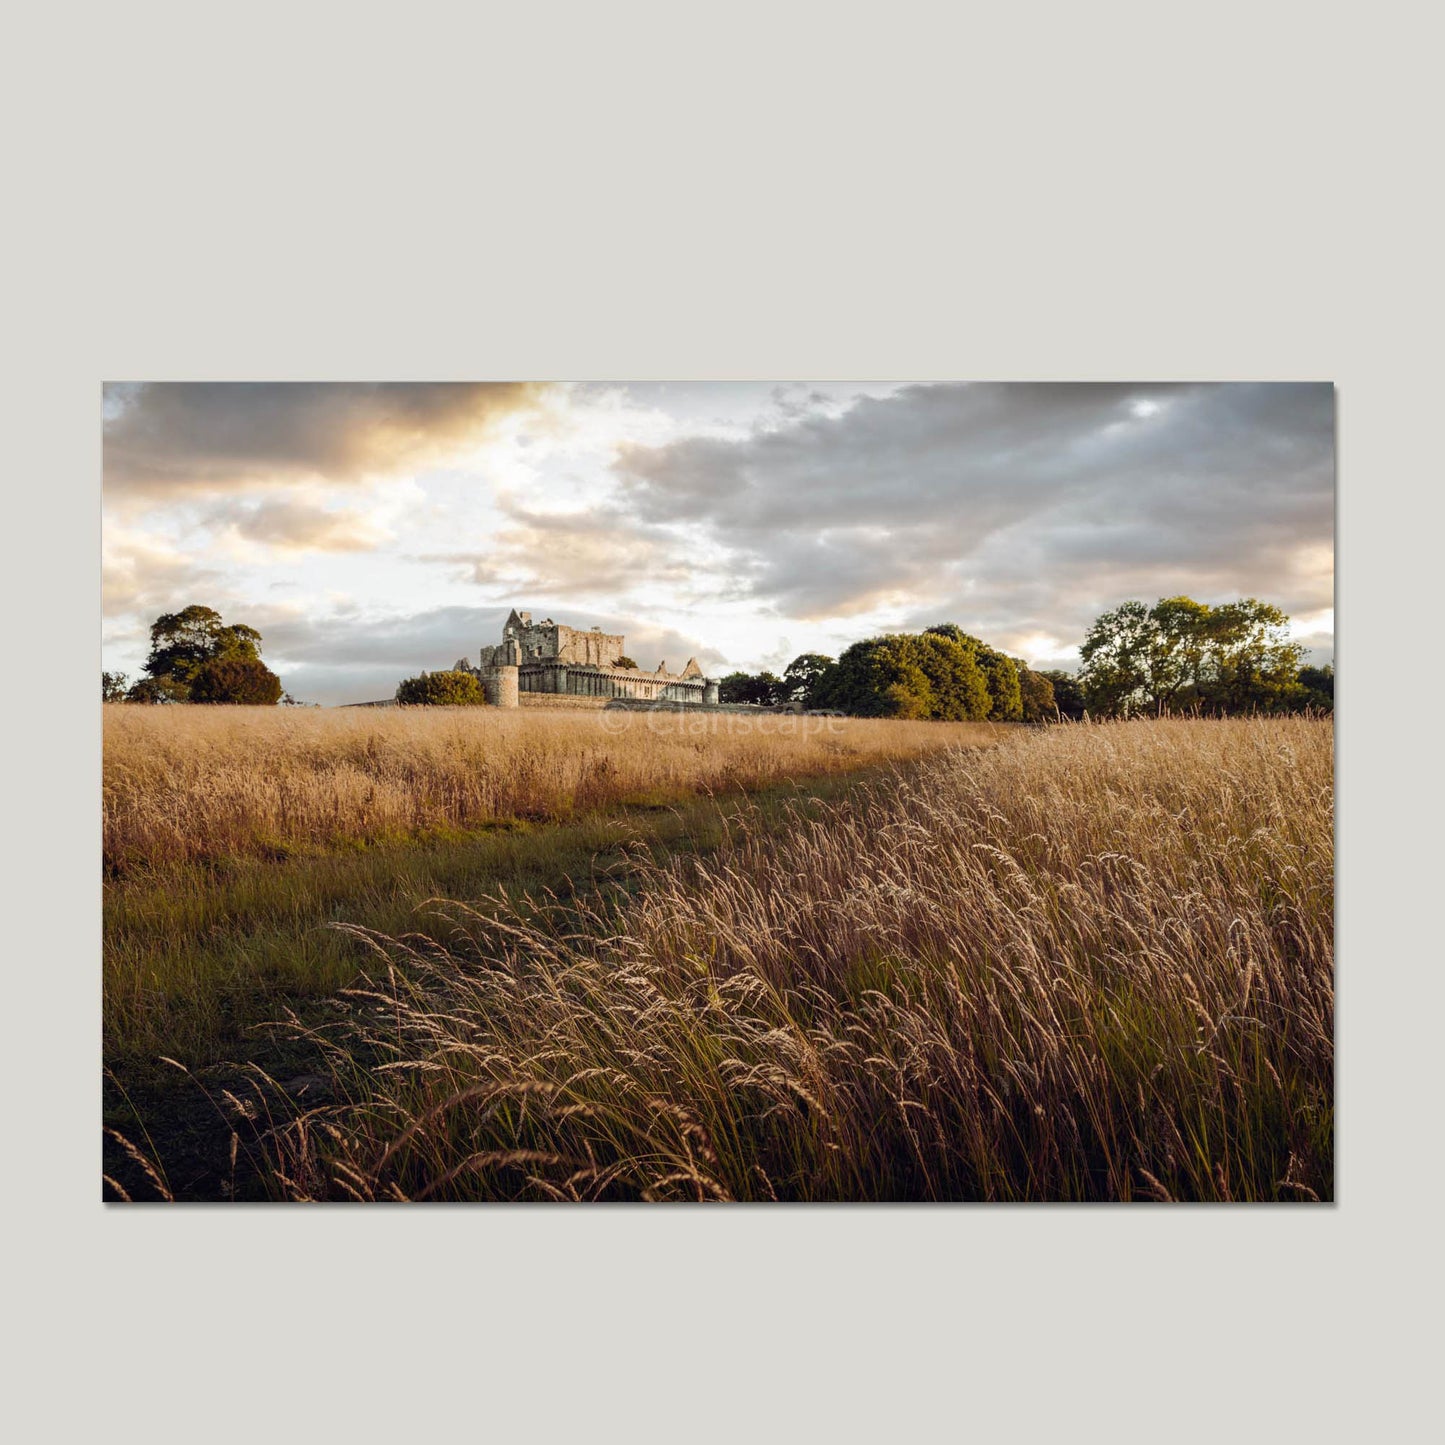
547	641
560	679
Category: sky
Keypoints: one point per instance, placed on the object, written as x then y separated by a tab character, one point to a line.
373	530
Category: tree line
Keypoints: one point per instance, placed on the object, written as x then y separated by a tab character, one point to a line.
942	672
1177	656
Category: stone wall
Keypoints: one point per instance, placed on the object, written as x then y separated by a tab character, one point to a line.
563	702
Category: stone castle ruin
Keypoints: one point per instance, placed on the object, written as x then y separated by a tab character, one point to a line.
547	657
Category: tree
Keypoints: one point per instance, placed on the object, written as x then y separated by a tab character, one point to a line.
242	681
1068	695
801	677
999	673
763	689
906	675
441	689
1036	695
1115	660
112	686
1176	650
625	661
1002	676
181	642
1251	663
878	677
1182	654
959	686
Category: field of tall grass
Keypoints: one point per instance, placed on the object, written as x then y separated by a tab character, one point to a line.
1095	963
186	784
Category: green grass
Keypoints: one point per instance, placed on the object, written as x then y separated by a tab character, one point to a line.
197	955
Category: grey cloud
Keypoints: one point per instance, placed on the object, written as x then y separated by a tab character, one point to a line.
971	492
163	436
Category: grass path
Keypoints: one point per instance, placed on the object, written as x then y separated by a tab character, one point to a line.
197	958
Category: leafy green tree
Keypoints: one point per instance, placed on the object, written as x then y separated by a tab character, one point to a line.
801	676
1116	660
1000	675
1176	651
1036	695
956	681
625	661
241	681
764	689
1068	695
113	686
906	675
1251	663
441	689
1182	654
182	642
878	677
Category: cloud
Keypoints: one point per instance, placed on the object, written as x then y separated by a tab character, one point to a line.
598	552
161	438
979	497
141	572
293	524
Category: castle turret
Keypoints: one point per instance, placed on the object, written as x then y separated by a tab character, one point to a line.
710	693
500	681
500	686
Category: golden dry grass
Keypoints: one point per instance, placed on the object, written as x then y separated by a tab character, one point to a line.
194	783
1094	964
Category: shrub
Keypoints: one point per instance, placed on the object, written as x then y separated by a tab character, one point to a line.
441	689
246	681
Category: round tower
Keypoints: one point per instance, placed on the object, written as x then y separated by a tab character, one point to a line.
709	693
500	686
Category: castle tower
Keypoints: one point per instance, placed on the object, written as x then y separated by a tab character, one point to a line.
500	681
500	686
710	693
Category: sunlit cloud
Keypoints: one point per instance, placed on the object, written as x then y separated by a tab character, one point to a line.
161	438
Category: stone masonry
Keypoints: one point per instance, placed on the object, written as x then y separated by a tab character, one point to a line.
549	657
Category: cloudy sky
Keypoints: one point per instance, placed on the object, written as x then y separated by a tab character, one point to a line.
370	531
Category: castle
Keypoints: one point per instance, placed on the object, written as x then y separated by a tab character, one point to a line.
547	657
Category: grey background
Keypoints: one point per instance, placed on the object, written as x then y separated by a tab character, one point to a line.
1035	192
